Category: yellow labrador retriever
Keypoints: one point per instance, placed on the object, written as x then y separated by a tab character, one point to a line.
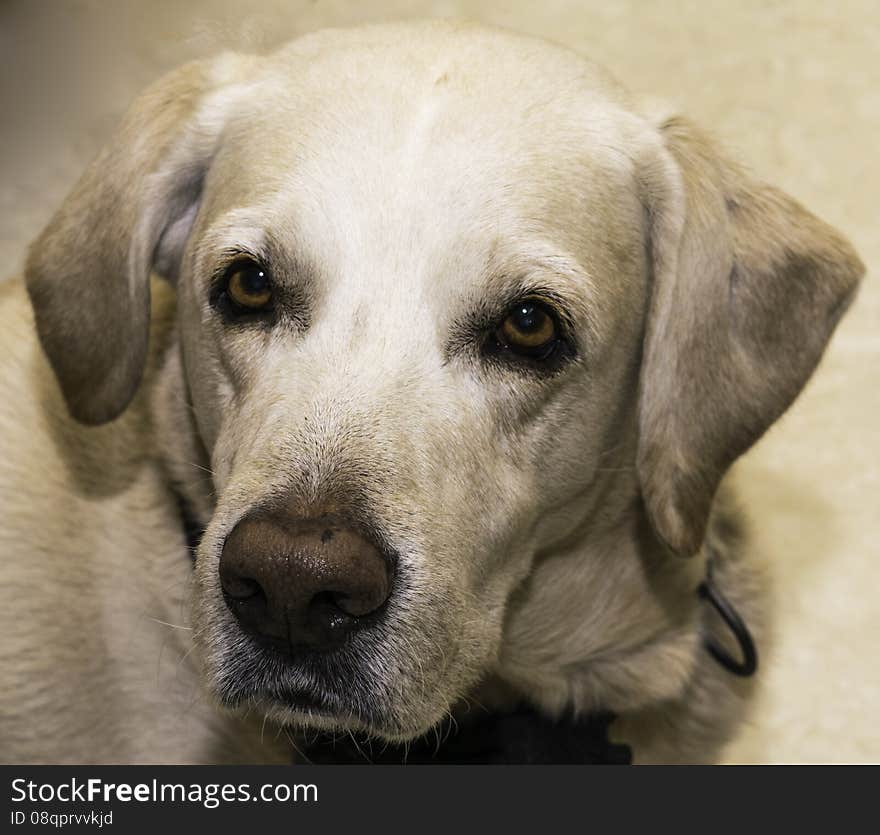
453	343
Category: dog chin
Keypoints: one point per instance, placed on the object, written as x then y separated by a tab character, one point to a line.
304	713
303	717
299	702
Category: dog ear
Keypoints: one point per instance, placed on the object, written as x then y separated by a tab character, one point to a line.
88	272
747	288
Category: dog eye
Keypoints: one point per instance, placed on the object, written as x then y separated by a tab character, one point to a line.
248	287
530	328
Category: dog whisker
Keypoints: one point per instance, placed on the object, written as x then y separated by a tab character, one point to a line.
172	625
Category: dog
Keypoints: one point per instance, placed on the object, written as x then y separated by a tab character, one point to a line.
439	343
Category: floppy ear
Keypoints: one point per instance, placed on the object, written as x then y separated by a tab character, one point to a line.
748	287
88	272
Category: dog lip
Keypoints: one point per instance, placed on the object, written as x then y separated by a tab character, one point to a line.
319	704
288	653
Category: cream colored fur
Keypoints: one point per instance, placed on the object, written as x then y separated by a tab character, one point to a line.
552	530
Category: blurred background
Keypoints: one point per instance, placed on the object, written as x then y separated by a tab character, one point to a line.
793	88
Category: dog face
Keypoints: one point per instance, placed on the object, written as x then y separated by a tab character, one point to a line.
453	314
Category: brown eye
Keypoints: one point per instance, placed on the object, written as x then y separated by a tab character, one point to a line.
249	286
529	328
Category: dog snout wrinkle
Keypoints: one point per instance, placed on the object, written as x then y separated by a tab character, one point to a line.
302	584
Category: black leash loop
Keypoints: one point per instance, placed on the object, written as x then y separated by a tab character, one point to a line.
707	590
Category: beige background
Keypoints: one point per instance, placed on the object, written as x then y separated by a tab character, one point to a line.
792	87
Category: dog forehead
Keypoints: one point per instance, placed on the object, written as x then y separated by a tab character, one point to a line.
411	55
388	91
409	153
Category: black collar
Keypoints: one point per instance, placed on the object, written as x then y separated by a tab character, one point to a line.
523	736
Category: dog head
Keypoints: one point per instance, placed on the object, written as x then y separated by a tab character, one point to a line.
459	323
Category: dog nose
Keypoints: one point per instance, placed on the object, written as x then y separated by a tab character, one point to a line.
302	583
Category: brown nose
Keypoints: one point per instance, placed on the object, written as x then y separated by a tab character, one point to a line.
302	583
